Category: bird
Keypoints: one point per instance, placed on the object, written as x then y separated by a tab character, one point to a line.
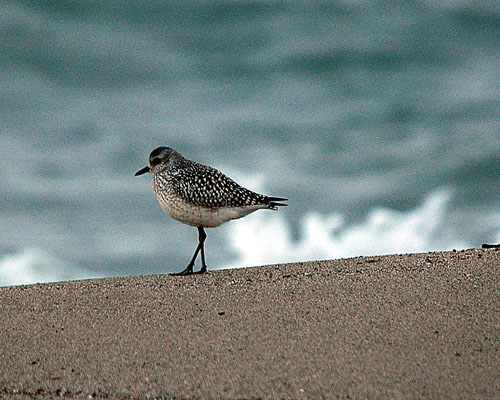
200	196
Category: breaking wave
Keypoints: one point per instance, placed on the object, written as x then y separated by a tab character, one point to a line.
267	238
33	265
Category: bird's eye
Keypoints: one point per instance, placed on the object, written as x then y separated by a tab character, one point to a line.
155	161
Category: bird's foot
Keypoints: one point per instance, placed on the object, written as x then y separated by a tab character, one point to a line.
202	270
187	271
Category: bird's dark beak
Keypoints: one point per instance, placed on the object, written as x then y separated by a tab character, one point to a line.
142	171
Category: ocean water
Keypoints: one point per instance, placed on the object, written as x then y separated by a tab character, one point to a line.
380	121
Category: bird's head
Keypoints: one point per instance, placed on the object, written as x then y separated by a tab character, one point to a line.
158	159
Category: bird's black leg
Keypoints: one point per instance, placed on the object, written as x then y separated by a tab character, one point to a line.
201	237
189	269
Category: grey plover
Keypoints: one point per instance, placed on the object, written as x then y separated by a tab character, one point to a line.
200	196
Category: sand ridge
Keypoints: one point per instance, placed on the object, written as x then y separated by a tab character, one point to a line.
401	326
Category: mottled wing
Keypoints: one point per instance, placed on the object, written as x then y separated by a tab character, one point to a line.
205	186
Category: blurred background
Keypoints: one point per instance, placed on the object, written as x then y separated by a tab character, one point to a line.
379	120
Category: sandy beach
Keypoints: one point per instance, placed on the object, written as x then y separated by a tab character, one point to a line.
401	327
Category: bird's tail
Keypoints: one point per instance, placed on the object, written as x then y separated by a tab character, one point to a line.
275	202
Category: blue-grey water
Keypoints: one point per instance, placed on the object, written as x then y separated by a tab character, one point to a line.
379	120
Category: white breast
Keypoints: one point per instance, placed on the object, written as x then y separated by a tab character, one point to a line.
202	216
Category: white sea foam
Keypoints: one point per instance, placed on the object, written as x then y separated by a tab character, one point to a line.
266	238
33	265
